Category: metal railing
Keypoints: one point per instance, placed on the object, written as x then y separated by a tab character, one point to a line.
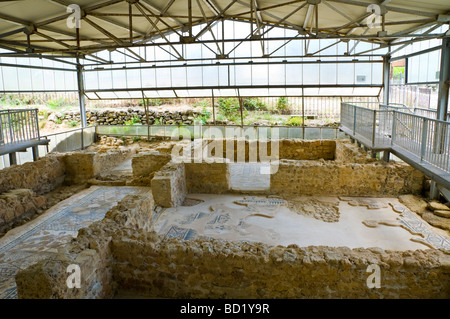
430	113
18	125
424	137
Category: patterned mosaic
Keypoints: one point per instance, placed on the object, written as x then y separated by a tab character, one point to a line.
408	220
42	237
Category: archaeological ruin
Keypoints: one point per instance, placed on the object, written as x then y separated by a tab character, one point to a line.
224	150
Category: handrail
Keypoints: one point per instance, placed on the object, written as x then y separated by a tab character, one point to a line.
422	136
18	125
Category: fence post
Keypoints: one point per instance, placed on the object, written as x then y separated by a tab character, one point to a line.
354	120
11	135
424	139
394	127
374	126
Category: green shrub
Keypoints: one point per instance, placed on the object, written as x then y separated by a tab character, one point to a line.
136	138
282	105
294	121
230	109
56	103
254	104
73	123
135	120
203	103
155	102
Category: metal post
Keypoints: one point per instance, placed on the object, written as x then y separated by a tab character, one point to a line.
386	79
12	158
394	127
374	126
303	112
35	151
11	135
354	120
424	138
213	106
444	79
434	190
81	100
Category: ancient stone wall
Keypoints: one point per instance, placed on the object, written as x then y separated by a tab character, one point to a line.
18	203
350	153
294	178
82	166
213	178
169	185
41	176
91	252
120	117
173	268
294	149
22	185
146	163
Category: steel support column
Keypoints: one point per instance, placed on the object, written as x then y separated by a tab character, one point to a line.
386	79
81	98
444	80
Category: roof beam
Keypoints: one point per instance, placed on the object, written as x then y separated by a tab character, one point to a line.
215	19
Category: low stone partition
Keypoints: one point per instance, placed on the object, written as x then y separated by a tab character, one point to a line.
40	176
18	203
295	149
91	252
21	187
147	163
294	178
169	185
81	166
173	268
213	178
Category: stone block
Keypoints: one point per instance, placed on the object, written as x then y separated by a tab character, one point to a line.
169	185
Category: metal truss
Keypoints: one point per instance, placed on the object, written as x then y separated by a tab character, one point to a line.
149	25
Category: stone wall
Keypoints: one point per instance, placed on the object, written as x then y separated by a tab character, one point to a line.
295	178
169	185
293	149
82	165
120	117
91	252
40	176
146	163
213	178
349	152
22	185
174	268
18	203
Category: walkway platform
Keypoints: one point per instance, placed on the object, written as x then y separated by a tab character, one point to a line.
12	148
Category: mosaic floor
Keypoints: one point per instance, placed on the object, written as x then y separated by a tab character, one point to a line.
252	177
362	222
41	237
